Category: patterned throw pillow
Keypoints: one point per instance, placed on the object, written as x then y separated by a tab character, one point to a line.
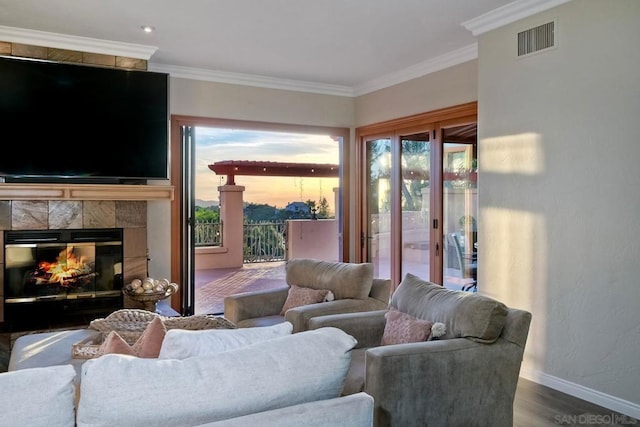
148	345
402	328
299	296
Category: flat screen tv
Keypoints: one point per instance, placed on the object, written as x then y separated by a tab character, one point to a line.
68	122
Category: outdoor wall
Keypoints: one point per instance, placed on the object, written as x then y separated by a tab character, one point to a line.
317	239
558	159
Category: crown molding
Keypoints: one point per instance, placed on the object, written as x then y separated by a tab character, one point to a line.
82	44
458	56
509	13
250	80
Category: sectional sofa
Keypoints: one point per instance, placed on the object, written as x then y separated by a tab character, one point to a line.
220	377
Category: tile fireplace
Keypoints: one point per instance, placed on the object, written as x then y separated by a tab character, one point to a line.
52	275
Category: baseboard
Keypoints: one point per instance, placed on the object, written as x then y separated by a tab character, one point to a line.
576	390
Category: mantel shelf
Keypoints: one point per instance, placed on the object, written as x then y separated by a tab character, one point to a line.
10	191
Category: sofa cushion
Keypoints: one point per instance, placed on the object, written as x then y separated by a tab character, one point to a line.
298	296
402	328
38	397
465	314
349	411
180	343
283	371
345	280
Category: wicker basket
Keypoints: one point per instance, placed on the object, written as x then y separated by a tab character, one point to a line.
131	323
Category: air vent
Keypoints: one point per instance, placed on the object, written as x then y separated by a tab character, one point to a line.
536	39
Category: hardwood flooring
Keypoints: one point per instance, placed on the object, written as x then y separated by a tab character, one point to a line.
538	406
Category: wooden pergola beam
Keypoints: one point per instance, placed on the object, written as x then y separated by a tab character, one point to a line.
231	168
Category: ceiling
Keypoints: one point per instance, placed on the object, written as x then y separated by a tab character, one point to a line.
346	47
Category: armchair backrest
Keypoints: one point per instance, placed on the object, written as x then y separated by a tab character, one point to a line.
344	279
465	315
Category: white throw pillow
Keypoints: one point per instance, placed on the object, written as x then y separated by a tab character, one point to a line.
121	390
38	397
182	343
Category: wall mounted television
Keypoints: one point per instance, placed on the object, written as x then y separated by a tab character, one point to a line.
82	124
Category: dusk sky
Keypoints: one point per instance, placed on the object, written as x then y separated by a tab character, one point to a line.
215	144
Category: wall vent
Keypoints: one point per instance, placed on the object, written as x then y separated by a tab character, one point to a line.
536	39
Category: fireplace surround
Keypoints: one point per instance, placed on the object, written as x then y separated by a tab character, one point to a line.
53	275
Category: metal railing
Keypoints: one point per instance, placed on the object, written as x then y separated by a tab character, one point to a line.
208	233
263	241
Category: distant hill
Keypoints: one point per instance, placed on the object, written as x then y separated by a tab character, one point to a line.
206	203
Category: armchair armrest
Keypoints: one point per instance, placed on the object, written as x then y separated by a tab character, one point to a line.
250	305
448	382
299	316
366	327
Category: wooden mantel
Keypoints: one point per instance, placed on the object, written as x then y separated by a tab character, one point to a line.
11	191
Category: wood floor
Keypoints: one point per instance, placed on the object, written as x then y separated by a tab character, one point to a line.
538	406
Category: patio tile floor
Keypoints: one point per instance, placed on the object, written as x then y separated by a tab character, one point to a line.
213	285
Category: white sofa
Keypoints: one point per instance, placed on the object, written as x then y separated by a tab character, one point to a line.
289	380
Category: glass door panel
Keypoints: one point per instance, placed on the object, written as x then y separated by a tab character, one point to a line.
378	175
415	203
460	208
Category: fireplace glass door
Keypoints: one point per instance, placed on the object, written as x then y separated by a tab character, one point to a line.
59	265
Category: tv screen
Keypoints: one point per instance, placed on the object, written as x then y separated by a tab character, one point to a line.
83	123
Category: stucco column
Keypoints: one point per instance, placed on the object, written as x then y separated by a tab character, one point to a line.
232	217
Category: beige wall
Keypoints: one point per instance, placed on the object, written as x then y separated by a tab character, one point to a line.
446	88
558	158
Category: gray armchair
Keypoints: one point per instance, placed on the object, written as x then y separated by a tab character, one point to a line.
353	286
466	377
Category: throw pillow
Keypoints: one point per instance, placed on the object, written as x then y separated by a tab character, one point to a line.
299	296
402	328
147	346
181	343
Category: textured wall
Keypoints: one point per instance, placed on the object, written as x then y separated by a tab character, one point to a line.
558	156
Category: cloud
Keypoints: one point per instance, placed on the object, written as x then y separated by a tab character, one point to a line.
219	144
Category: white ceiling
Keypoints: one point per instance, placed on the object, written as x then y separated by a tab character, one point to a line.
347	47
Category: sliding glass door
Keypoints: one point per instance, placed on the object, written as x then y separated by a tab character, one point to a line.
419	190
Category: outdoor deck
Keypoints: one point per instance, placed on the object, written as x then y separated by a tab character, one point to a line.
213	285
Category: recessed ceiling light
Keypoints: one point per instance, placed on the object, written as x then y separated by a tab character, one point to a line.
148	28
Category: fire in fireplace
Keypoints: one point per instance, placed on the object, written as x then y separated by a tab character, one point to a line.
62	272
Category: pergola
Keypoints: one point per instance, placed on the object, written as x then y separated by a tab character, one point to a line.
231	168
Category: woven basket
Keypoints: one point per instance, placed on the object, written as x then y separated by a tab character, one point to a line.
131	323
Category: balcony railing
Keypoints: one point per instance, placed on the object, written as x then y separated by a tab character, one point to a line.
208	233
263	241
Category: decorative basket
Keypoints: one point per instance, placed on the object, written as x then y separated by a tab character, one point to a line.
152	292
131	323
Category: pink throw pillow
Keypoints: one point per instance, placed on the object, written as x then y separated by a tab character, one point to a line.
147	346
149	343
114	343
402	328
299	296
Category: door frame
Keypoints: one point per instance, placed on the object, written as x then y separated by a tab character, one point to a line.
179	224
394	129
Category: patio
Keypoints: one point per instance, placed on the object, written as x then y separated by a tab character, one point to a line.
213	285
